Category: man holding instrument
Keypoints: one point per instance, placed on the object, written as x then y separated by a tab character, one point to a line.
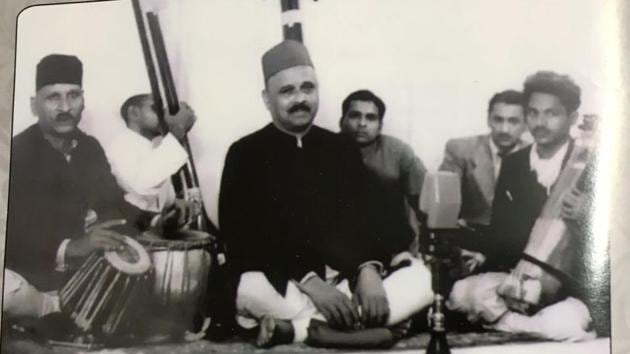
292	209
64	201
524	184
144	157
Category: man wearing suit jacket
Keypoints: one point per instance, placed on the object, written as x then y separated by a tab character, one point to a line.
523	187
477	159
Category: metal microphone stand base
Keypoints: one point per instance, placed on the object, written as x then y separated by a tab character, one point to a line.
438	343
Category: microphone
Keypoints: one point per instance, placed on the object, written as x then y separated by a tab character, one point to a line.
441	199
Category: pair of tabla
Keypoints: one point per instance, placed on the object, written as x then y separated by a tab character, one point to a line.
113	291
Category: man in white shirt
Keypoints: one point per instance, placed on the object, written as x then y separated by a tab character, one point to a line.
144	157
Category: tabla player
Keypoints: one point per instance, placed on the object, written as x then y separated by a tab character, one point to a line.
64	201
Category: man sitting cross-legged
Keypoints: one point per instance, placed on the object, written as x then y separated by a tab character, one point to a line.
292	207
525	182
64	201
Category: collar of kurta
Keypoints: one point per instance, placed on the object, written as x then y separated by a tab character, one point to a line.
548	170
298	140
74	143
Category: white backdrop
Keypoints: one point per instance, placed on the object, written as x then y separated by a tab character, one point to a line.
435	63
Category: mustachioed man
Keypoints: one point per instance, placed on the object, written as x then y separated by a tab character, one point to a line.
292	209
64	201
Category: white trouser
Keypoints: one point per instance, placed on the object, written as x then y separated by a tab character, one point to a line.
408	290
21	299
476	296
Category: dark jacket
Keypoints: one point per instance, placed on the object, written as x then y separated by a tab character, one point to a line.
49	198
287	210
518	201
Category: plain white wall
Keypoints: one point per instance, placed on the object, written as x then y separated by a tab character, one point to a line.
436	64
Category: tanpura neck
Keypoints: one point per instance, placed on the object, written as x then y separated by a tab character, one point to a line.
548	151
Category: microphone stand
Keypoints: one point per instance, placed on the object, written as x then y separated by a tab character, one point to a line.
435	256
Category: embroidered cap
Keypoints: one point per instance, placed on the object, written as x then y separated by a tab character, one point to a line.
287	54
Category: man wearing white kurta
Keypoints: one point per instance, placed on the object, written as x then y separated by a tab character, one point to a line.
143	159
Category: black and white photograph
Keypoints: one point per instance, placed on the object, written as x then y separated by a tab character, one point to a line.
296	176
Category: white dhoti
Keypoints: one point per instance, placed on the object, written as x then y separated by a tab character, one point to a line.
408	290
476	296
21	299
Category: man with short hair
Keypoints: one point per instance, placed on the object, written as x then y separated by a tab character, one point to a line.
292	210
395	170
477	159
64	201
524	184
144	157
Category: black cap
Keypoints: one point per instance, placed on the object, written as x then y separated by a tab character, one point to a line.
58	69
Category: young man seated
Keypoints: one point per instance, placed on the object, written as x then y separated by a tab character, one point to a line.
394	170
525	182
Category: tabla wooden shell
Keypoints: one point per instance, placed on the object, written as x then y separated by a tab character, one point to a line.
181	267
101	296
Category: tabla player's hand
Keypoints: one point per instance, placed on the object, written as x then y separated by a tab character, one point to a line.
574	205
179	214
370	296
181	122
97	237
336	307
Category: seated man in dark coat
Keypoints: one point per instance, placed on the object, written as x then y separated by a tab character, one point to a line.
292	209
64	201
525	182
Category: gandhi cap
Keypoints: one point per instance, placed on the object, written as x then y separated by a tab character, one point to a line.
58	69
287	54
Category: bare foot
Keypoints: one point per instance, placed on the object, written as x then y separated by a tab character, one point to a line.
274	332
400	330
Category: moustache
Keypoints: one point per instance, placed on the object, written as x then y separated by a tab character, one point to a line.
540	131
503	136
62	117
300	107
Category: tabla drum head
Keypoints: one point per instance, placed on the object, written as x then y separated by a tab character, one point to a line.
133	260
180	240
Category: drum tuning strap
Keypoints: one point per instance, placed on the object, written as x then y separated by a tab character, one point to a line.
562	276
